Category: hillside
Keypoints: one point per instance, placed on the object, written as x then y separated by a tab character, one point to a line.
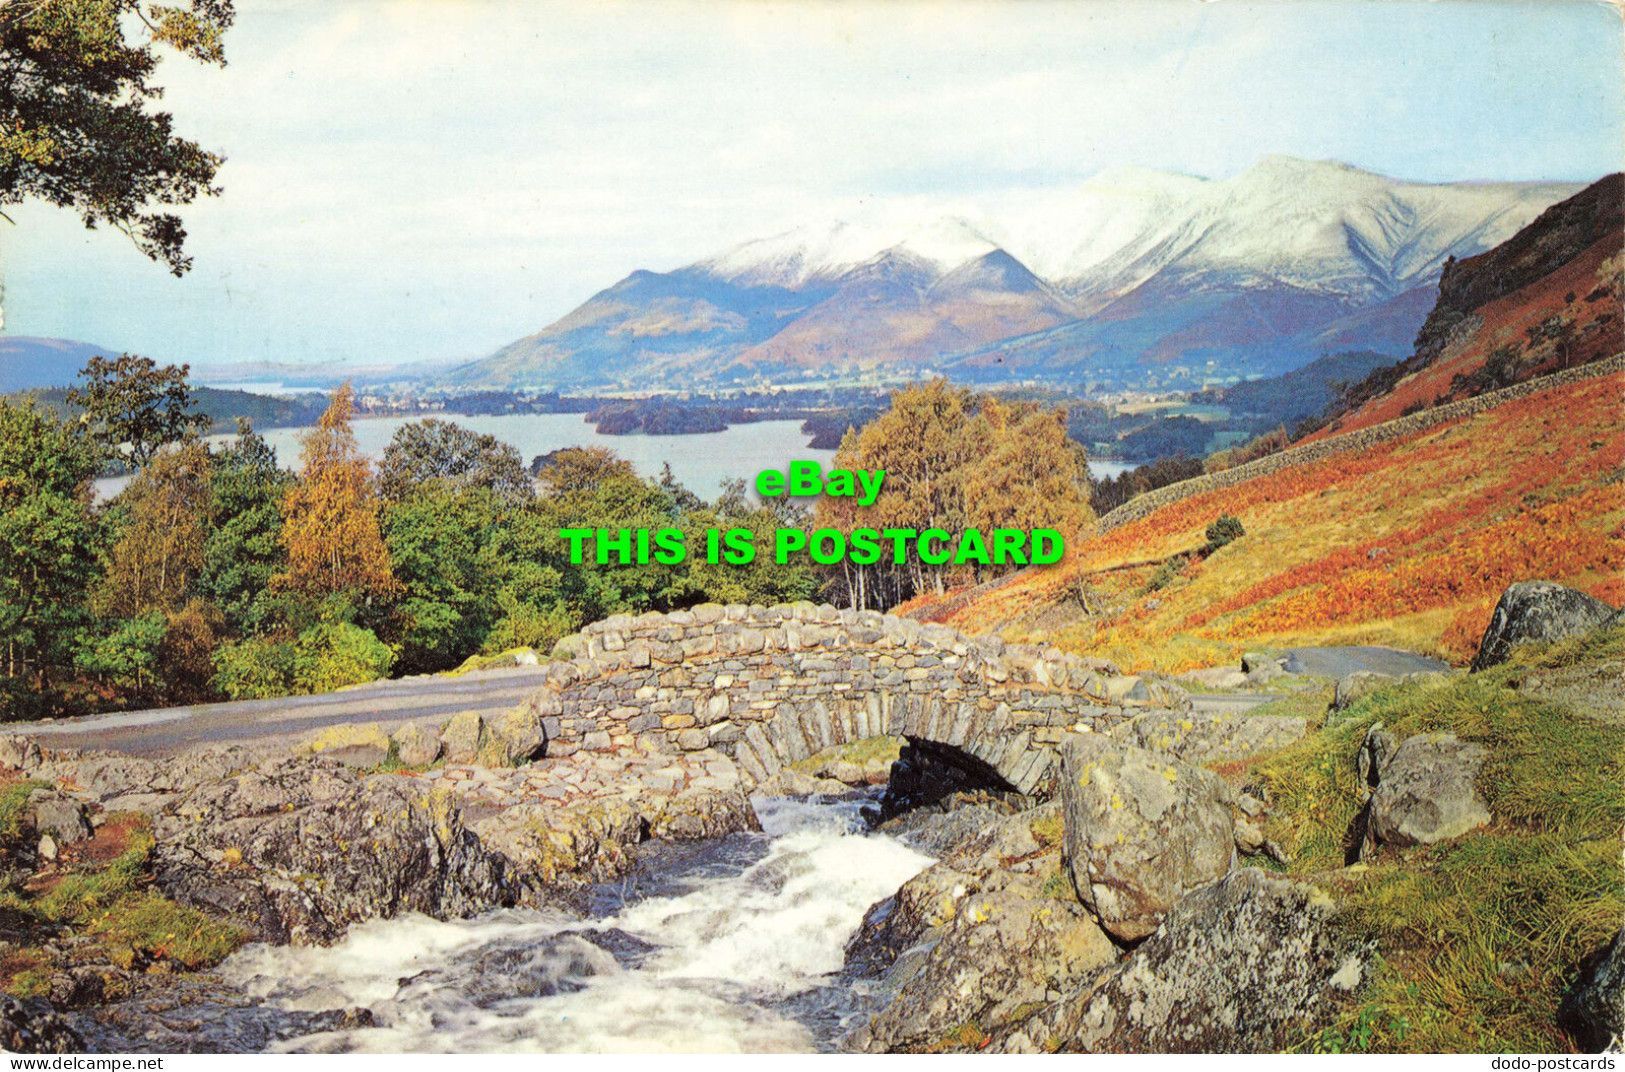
224	407
27	363
1548	298
1406	543
1135	278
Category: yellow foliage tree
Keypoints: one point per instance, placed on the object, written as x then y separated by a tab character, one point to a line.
330	517
955	461
161	549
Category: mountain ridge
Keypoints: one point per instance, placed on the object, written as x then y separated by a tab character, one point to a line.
1204	279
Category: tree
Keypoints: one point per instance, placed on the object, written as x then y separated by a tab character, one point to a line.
1024	471
435	450
133	408
438	545
78	128
330	518
161	550
47	551
578	469
244	546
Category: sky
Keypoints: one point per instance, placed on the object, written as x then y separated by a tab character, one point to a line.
421	181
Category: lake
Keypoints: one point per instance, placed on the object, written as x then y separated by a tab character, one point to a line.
700	462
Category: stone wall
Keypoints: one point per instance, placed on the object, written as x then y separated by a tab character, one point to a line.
1398	428
772	685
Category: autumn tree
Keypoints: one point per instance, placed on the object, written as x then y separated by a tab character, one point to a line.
134	408
955	461
160	550
330	517
1024	471
921	444
448	454
78	124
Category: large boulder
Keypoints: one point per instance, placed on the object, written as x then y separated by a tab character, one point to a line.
515	736
968	948
1427	792
300	850
1537	611
1238	967
414	745
1593	1010
1142	830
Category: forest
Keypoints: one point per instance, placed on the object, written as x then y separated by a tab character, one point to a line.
219	573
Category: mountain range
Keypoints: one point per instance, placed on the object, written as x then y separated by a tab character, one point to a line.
1135	278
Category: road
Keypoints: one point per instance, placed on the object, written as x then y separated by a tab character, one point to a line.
169	731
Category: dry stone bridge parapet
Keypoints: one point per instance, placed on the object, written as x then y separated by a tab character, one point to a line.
769	686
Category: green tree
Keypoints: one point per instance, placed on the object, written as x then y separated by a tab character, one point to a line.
442	452
244	550
134	408
78	125
571	470
48	560
439	544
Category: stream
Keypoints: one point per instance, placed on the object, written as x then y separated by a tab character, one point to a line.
733	944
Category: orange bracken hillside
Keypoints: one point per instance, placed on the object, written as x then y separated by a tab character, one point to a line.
1406	543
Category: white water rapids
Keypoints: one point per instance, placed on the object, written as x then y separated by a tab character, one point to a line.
720	960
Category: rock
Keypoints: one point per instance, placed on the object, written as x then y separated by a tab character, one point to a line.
1142	829
34	1027
519	735
48	848
584	842
1217	677
460	737
1537	611
792	783
415	746
1238	967
973	944
1593	1010
1199	738
1426	791
18	751
59	817
300	849
1350	687
1249	837
1254	661
353	744
704	813
1375	751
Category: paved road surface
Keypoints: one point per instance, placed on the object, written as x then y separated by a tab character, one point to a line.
169	731
1336	662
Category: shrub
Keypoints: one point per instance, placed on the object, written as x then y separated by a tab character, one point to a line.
334	654
254	669
1224	529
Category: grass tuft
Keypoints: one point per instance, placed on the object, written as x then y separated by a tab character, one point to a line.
1481	936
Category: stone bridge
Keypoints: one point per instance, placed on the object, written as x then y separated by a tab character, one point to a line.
769	686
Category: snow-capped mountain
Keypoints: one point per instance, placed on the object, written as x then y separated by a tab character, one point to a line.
1133	276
